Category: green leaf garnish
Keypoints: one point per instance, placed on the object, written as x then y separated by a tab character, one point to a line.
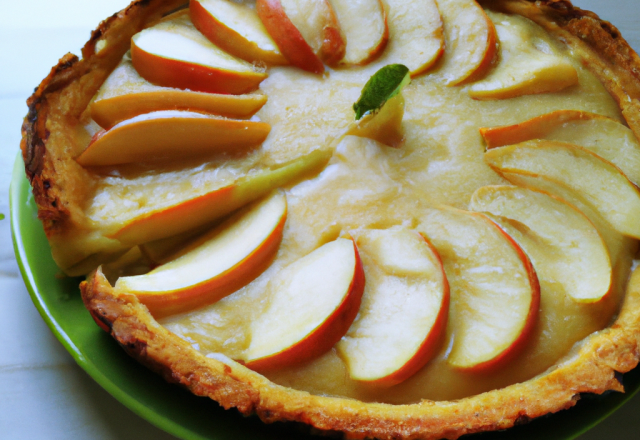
382	86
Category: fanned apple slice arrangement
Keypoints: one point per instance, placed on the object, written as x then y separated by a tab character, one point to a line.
215	264
451	275
207	60
568	192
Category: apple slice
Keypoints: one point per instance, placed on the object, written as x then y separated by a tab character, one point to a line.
470	41
529	63
495	293
216	264
416	35
540	127
170	134
404	308
604	136
125	94
190	213
312	304
589	177
307	32
618	244
564	245
364	24
174	54
235	28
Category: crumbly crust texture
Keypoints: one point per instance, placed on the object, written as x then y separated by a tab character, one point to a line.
48	150
591	368
48	144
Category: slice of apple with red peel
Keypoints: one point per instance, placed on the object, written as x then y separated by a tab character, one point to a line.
529	64
365	28
404	308
190	213
125	94
604	136
307	32
171	134
317	22
214	265
174	54
589	177
488	274
470	41
539	127
312	304
617	243
235	28
288	38
416	35
564	245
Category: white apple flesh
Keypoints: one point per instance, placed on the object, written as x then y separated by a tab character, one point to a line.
312	304
604	136
404	308
415	35
528	63
495	294
174	54
364	24
565	247
470	41
235	28
216	264
586	175
125	94
171	134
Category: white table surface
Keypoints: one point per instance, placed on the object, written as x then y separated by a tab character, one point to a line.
43	393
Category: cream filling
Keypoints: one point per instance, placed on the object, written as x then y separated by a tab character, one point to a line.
367	185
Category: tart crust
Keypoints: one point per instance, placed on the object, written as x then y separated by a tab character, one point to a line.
57	181
592	367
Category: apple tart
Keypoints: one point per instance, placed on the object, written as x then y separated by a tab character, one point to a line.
459	258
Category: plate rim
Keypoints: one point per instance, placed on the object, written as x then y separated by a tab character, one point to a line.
16	190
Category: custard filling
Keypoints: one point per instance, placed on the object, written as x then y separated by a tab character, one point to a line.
367	186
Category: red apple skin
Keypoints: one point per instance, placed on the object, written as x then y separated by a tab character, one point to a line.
220	286
334	46
516	347
326	335
382	45
185	75
203	22
489	57
430	345
534	128
287	36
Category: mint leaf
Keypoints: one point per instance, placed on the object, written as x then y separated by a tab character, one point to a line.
382	86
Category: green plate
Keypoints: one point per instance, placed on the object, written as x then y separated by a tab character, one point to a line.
173	409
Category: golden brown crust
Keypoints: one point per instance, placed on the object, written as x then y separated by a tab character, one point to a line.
61	100
591	368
